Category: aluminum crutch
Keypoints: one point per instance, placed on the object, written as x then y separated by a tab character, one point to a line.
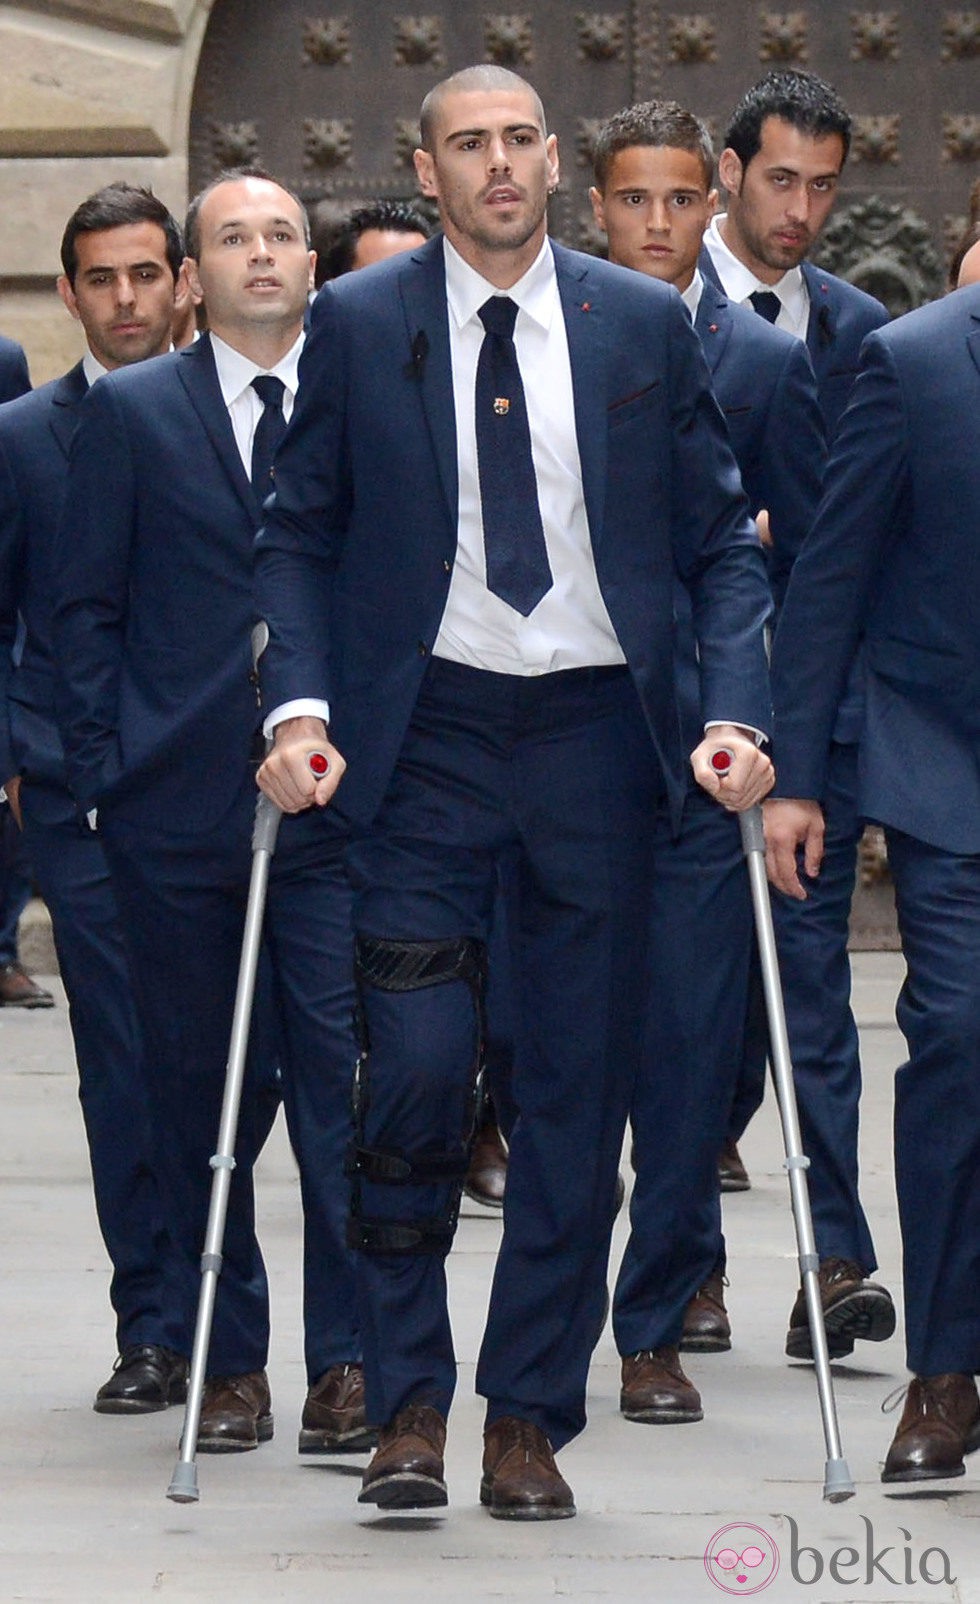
837	1485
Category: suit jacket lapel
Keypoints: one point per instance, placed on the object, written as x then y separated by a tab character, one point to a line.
582	306
713	323
821	328
66	397
973	339
423	292
199	377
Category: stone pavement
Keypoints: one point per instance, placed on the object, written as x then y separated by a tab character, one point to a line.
83	1512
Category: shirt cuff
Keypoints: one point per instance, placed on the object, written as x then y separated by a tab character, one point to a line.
748	729
303	706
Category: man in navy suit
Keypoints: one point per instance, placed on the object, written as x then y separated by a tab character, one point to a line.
17	989
653	196
121	257
893	559
153	619
784	150
502	454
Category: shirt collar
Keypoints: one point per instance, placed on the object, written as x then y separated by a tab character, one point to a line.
93	368
740	282
535	293
692	295
236	372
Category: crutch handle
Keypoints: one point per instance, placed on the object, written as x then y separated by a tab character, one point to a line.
722	760
318	764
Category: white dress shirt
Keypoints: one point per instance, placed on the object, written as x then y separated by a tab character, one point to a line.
569	627
235	375
692	295
739	282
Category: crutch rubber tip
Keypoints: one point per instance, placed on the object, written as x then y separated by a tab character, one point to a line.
318	764
722	760
837	1483
183	1487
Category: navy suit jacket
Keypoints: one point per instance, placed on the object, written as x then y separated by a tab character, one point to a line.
153	604
355	558
15	380
894	556
35	436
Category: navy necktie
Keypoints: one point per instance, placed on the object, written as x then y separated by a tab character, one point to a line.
767	304
513	538
268	432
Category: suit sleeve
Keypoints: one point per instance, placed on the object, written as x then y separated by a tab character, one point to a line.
92	567
11	578
789	472
831	589
15	379
296	550
716	544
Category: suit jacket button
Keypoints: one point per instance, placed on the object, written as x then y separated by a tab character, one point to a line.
447	566
423	649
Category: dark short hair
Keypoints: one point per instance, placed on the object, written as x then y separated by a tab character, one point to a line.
119	205
656	123
232	175
485	77
388	216
799	98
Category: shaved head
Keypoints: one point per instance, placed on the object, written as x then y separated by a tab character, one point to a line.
480	79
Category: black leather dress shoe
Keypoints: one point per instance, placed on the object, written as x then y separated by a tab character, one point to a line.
407	1469
732	1174
940	1423
854	1309
520	1478
144	1379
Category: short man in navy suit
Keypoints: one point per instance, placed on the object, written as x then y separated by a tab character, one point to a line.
159	713
653	196
893	559
121	256
784	150
502	454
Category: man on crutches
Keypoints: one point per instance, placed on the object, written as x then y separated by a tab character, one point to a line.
160	719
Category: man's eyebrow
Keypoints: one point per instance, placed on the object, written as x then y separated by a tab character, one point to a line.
476	133
128	267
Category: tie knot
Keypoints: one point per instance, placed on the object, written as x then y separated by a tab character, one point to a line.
767	304
269	390
498	316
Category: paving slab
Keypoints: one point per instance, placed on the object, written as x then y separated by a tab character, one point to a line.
83	1511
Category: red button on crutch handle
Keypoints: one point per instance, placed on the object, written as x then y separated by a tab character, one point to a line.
318	764
722	760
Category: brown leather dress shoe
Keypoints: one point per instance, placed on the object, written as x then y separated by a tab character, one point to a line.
236	1414
486	1178
144	1379
732	1174
853	1308
333	1414
707	1328
656	1390
940	1423
520	1478
407	1471
18	990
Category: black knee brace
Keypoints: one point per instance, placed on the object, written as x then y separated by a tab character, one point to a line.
410	966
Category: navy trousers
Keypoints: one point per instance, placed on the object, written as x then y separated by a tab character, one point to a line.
183	902
15	884
74	880
558	774
700	945
815	970
937	1104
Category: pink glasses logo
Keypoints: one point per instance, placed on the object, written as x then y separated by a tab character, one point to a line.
741	1559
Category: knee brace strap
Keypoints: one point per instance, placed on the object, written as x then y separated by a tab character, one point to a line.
410	965
394	1169
400	1236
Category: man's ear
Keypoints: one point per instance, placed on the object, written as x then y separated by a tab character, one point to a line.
730	170
68	295
598	207
425	172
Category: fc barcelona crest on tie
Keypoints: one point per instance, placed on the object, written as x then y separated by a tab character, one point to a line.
501	406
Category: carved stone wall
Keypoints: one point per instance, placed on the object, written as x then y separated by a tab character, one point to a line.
327	91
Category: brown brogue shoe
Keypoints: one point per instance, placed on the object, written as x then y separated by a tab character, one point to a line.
406	1471
145	1378
707	1328
333	1415
486	1176
732	1174
236	1414
940	1423
18	990
853	1309
656	1390
520	1478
